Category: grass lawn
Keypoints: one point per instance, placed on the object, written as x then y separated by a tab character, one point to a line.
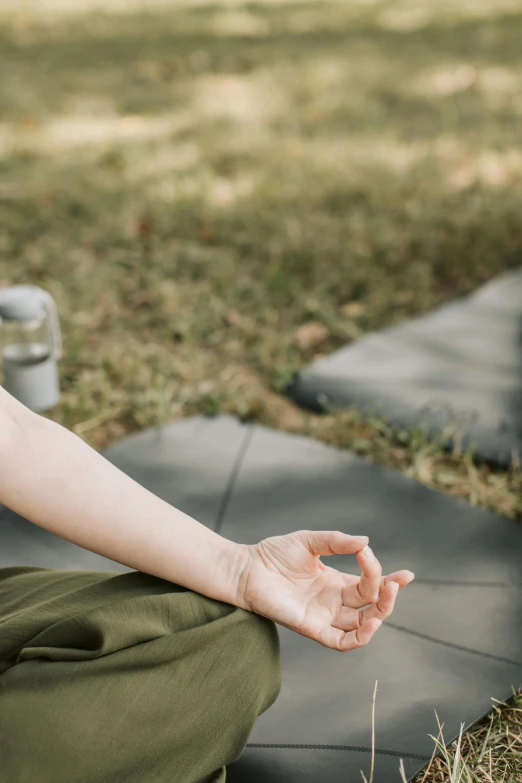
216	194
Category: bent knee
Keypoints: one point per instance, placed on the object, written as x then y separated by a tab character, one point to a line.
255	640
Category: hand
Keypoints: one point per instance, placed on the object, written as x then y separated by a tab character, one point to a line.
285	580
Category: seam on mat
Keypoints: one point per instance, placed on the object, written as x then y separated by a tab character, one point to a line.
459	647
233	478
355	748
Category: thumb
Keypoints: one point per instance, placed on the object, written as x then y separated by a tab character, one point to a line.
331	542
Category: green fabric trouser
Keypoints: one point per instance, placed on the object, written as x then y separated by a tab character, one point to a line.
109	678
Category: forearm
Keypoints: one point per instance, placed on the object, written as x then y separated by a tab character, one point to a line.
54	479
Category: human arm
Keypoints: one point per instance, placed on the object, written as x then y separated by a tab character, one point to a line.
54	479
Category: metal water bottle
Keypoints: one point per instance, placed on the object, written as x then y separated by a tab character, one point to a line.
30	346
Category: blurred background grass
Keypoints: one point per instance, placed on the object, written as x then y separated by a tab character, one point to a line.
217	194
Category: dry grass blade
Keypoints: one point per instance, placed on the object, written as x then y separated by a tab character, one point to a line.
490	752
372	764
428	768
441	746
486	740
372	767
97	421
456	773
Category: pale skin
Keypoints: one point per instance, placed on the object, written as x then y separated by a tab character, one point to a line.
54	479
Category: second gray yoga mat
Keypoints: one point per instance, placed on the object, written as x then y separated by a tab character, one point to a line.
456	371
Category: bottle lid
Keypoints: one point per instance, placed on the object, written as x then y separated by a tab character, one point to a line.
19	303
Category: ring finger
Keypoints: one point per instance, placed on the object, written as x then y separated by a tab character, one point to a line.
349	619
384	606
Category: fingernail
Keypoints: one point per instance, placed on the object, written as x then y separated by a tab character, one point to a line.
367	553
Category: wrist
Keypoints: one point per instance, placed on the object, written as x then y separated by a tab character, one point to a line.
231	570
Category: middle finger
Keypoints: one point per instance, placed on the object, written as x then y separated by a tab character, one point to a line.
369	584
384	606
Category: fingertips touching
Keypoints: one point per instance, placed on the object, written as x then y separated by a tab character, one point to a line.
355	543
345	544
367	557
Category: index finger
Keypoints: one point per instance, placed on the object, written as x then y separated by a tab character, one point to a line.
331	542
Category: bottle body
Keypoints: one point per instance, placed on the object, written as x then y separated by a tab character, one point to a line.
30	371
35	385
25	343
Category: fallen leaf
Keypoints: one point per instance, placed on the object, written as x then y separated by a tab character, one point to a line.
141	299
353	309
144	227
232	318
206	233
310	335
28	122
206	387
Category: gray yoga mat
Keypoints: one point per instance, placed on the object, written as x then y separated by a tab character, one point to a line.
453	643
456	371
